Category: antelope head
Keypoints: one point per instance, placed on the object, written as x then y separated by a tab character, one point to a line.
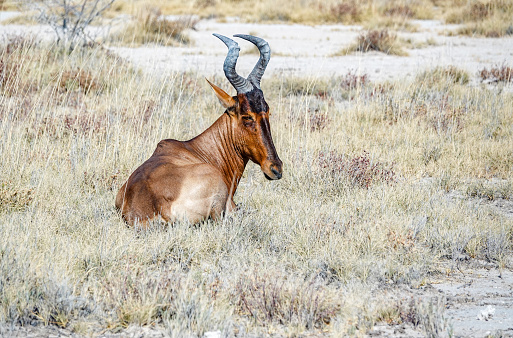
248	111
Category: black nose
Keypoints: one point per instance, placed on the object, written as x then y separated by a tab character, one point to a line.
276	172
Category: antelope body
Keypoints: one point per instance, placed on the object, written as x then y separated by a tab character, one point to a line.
197	179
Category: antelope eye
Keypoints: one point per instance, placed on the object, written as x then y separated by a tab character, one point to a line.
247	118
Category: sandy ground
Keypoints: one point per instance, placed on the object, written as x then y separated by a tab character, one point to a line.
478	302
478	298
308	50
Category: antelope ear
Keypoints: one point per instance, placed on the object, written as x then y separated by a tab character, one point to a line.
226	100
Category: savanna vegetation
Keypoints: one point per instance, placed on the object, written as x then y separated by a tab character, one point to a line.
380	188
386	184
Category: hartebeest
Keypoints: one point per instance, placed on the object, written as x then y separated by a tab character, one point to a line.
197	179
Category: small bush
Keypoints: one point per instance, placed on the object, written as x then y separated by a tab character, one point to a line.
70	19
360	170
497	74
380	40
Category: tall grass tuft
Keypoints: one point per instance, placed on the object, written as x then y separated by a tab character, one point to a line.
379	40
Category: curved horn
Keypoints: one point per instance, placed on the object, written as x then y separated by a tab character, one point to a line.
238	82
265	56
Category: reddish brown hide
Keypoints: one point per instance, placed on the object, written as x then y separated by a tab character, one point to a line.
197	179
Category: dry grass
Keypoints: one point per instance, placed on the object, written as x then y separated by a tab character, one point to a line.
483	18
308	12
443	76
380	40
150	26
302	254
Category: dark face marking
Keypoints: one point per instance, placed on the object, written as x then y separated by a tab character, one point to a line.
253	114
257	102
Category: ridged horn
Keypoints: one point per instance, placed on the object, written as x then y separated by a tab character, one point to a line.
240	84
265	55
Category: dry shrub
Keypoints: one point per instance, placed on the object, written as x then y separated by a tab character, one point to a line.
380	40
400	10
497	74
352	80
272	298
360	170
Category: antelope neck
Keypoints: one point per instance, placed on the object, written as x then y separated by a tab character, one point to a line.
218	146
